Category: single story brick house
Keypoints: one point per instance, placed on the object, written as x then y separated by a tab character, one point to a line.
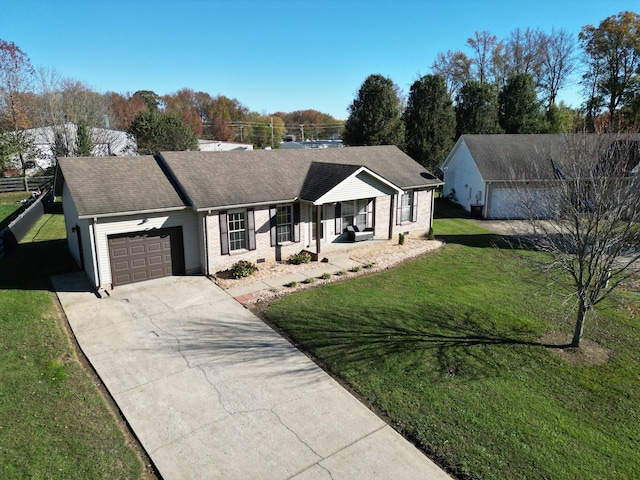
130	219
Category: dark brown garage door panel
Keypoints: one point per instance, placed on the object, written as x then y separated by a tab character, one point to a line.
139	256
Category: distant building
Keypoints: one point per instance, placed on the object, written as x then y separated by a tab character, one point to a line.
218	146
312	144
106	142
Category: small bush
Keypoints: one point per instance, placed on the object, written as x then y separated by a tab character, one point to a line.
299	258
309	280
325	276
401	238
292	284
356	269
431	235
341	273
243	268
368	265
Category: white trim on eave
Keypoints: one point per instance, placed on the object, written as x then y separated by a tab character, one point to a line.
328	196
133	212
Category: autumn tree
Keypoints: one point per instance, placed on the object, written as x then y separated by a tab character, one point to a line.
16	82
221	131
519	108
185	104
477	109
430	121
587	222
123	108
375	114
612	53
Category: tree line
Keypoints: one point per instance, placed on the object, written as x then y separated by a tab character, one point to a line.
81	117
506	86
500	86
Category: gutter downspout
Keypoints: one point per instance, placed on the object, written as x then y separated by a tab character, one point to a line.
206	243
95	252
487	199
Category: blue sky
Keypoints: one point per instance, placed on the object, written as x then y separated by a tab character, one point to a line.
272	55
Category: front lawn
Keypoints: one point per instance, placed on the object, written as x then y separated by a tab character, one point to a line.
53	421
448	348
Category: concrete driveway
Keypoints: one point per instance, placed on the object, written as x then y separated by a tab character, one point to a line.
212	392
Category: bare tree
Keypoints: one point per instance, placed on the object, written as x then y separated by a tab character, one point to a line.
558	61
455	68
63	105
486	47
587	220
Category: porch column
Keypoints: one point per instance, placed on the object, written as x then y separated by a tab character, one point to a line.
318	228
392	211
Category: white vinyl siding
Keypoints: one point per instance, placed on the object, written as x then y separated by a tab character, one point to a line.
187	219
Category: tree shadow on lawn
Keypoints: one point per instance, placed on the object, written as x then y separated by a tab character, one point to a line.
433	342
30	265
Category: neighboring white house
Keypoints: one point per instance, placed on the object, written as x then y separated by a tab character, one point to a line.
218	146
136	218
487	174
106	142
514	176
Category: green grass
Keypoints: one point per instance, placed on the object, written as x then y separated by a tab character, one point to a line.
447	347
54	422
9	205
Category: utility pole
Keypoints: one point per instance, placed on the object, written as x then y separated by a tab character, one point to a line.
302	131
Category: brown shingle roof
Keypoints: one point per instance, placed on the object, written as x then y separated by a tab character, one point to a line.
538	156
509	157
221	179
102	186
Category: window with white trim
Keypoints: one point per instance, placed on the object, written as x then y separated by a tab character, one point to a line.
355	212
284	222
406	207
237	230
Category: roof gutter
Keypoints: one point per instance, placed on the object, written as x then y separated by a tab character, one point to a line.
133	212
245	205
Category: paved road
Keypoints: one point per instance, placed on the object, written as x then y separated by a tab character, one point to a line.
212	392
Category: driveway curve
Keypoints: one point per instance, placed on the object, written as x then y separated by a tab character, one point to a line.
212	392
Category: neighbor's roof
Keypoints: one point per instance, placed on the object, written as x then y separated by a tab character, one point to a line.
532	156
224	179
508	157
107	186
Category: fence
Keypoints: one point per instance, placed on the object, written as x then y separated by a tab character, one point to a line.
18	228
25	184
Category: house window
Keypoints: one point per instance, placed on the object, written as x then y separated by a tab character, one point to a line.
284	222
406	207
237	231
356	212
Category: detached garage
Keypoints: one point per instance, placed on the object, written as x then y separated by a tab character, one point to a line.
125	221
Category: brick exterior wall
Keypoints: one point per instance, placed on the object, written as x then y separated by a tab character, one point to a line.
264	250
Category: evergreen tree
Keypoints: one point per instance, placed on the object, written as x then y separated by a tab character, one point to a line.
84	144
375	114
519	106
477	109
155	132
430	121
